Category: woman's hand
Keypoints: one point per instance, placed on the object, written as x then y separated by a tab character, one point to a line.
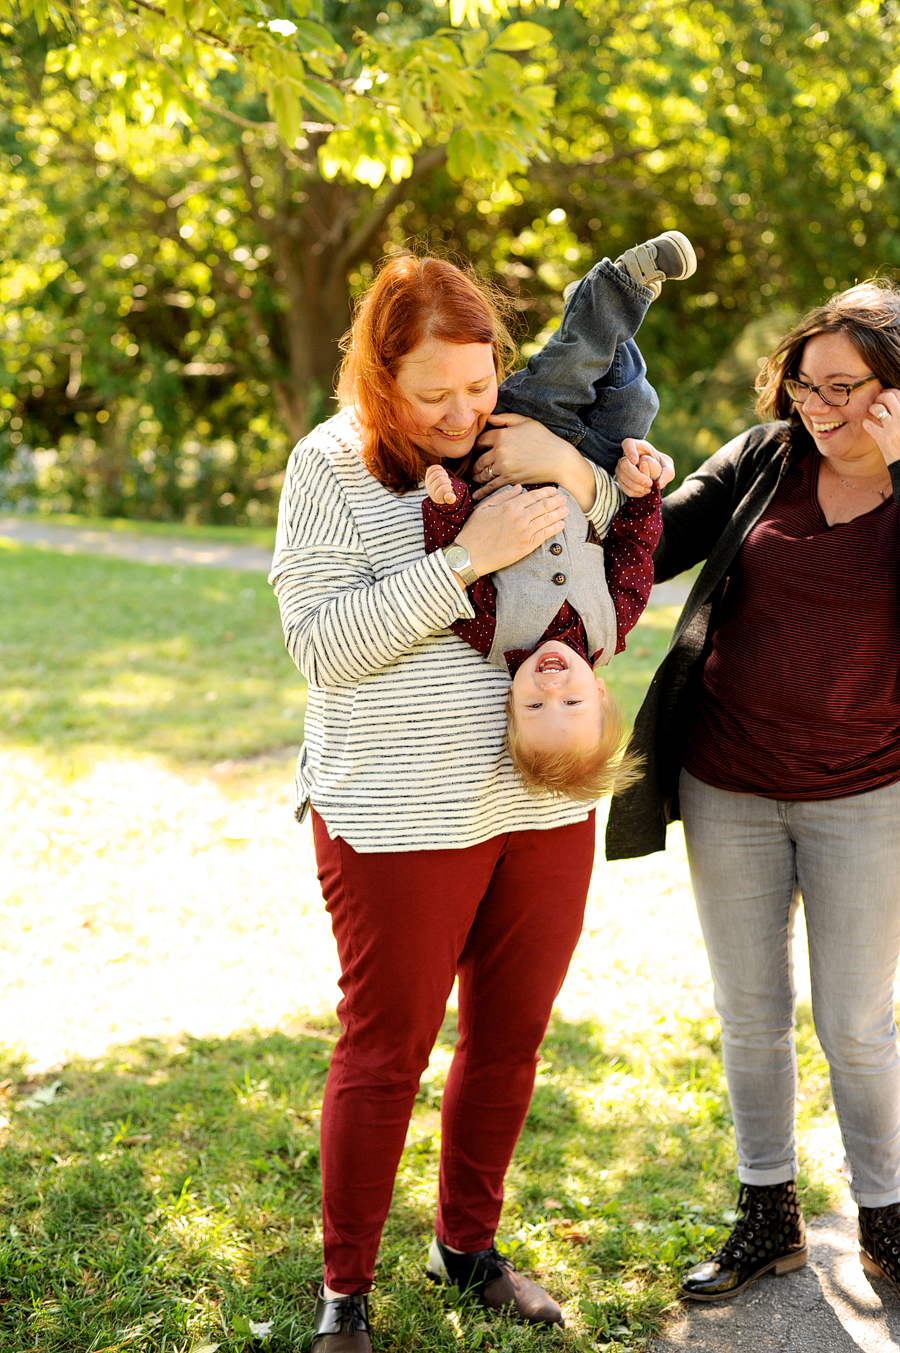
640	465
511	525
522	451
885	431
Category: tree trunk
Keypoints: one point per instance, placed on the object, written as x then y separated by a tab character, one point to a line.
314	249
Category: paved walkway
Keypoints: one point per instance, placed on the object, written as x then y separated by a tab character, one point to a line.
149	549
831	1306
145	549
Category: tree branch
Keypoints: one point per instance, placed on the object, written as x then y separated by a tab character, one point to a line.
359	242
206	104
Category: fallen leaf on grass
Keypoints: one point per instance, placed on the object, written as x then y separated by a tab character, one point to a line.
42	1097
205	1347
565	1230
139	1139
259	1329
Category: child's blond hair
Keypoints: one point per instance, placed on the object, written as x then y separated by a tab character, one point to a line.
574	774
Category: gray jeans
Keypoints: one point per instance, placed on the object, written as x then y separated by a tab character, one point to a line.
750	860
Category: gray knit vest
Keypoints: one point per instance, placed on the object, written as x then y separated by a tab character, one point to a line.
530	592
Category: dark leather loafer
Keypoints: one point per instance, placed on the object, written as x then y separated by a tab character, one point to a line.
494	1280
770	1235
341	1325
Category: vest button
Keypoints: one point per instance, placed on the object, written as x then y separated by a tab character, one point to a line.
556	549
559	579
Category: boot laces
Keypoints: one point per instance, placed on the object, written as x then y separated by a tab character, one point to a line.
746	1232
884	1221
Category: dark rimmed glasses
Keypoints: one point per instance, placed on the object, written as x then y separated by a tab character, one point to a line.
835	395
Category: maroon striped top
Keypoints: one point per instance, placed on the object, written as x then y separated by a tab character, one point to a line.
800	694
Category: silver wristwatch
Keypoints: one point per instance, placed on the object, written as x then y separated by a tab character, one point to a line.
457	557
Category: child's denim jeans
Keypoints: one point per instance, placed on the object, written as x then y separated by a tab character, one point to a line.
588	384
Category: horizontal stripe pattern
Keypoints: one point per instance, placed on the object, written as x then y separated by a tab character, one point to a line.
405	723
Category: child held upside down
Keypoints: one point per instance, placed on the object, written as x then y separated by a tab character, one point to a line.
554	615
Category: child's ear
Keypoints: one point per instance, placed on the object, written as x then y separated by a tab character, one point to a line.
601	687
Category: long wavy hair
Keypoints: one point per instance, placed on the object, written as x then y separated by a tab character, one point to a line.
869	314
410	301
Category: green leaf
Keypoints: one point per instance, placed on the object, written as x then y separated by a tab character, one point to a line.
326	99
518	37
284	101
473	44
313	37
413	113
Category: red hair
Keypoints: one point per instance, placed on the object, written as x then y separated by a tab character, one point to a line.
410	301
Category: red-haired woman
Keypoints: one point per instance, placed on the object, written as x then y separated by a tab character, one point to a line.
434	861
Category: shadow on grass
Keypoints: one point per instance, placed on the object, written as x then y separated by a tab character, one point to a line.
167	1195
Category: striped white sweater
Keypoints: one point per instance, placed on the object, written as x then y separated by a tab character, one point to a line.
405	722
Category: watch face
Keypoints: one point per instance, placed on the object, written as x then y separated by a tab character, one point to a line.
457	556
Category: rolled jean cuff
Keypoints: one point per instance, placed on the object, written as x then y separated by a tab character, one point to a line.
875	1199
776	1174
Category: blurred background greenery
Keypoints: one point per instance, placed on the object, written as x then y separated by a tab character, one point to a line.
173	283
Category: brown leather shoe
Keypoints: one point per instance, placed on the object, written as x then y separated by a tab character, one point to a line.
341	1325
494	1280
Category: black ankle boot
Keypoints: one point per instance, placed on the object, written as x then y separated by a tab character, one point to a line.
879	1241
771	1234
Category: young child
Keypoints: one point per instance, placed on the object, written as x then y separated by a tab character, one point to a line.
567	606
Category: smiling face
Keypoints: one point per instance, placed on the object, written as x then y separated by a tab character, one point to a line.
557	701
451	389
838	433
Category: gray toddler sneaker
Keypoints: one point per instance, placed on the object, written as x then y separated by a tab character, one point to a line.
668	257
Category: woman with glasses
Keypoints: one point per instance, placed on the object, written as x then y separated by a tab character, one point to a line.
772	729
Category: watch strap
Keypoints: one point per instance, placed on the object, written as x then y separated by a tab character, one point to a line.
458	558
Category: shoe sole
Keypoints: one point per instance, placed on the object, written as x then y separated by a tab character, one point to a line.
872	1266
789	1264
686	253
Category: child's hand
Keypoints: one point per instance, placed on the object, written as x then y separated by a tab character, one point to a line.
438	486
640	465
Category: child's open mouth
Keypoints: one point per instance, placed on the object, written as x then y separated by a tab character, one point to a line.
553	662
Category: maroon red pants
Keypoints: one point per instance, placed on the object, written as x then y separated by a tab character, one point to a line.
505	916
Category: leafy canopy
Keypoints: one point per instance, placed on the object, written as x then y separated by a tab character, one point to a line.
381	98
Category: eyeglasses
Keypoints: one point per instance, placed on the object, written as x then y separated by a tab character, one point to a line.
835	395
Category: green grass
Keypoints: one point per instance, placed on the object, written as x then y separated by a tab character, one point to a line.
100	654
168	1195
103	655
235	535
